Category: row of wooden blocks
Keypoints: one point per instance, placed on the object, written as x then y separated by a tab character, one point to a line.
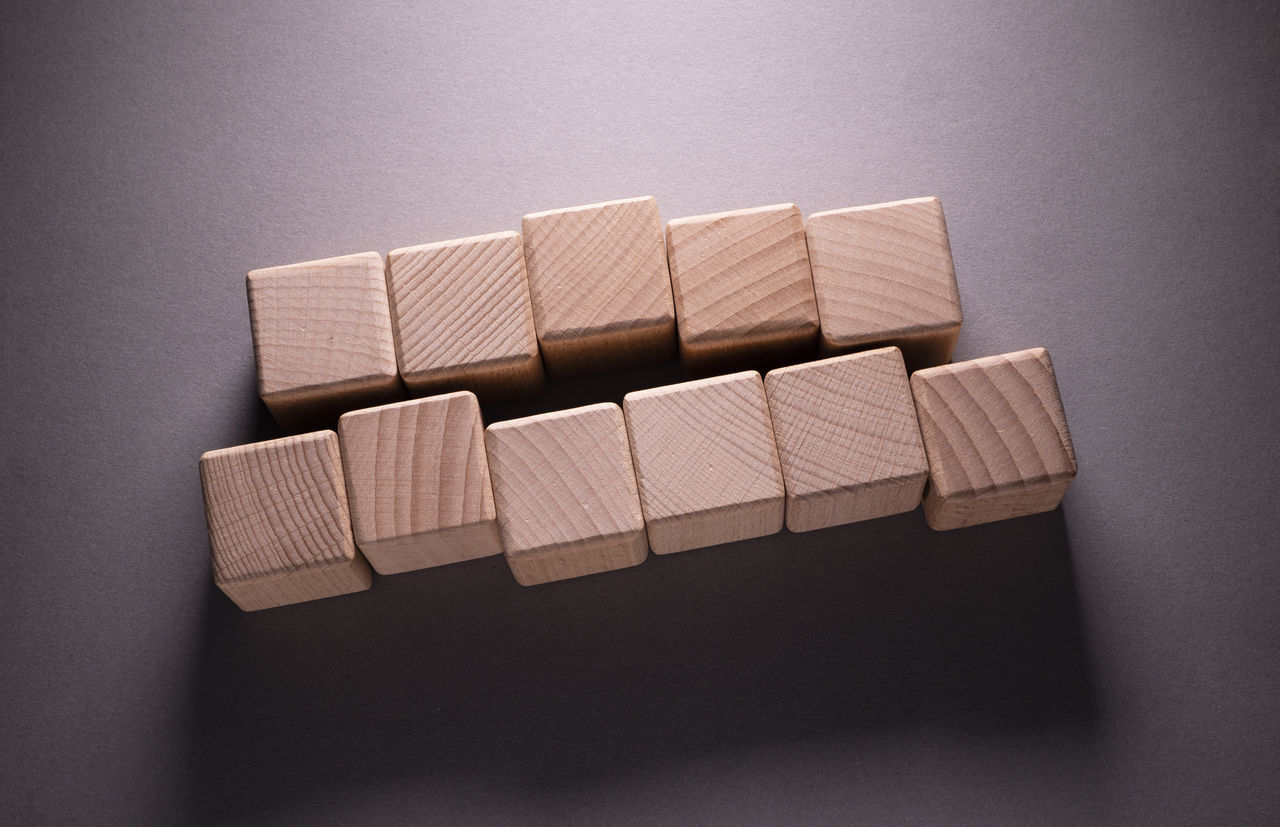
598	287
423	483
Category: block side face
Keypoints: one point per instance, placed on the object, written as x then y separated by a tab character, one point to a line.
884	272
944	514
565	562
730	524
300	585
456	544
645	342
276	507
321	325
497	380
853	504
991	424
704	446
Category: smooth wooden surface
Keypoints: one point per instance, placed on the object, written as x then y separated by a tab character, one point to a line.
706	464
322	337
462	318
996	437
566	493
279	529
848	439
742	288
418	483
599	284
883	275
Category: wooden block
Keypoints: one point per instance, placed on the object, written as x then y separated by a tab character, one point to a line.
462	319
322	337
706	463
742	288
599	284
279	528
883	275
848	439
996	438
566	494
418	483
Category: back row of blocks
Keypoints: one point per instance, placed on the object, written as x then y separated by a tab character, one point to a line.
592	489
596	287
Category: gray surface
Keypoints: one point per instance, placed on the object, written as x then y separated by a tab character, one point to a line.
1110	179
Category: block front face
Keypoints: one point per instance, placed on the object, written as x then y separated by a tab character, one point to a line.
848	439
462	318
599	284
883	274
418	483
279	529
741	285
706	463
996	437
322	335
566	493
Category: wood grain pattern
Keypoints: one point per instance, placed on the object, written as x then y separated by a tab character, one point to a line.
848	439
742	288
322	337
279	529
599	284
462	318
566	494
418	483
996	437
883	275
706	463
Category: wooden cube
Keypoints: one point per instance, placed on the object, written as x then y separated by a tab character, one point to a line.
848	439
706	463
279	529
322	337
883	275
599	284
566	494
996	437
418	483
742	288
462	319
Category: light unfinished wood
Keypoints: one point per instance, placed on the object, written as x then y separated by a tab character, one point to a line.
462	318
322	338
566	494
884	276
706	464
279	529
996	437
742	288
418	483
848	439
599	284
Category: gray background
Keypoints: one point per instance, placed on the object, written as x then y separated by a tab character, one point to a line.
1109	173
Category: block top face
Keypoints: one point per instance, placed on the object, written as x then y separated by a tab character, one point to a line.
461	302
276	506
320	323
702	446
597	268
992	424
883	270
849	420
563	478
416	466
740	273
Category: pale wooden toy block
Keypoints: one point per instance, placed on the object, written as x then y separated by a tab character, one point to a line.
742	287
848	439
599	284
996	437
418	483
279	529
322	337
706	463
462	319
566	494
883	275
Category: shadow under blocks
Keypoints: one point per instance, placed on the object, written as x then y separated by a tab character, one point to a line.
459	672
